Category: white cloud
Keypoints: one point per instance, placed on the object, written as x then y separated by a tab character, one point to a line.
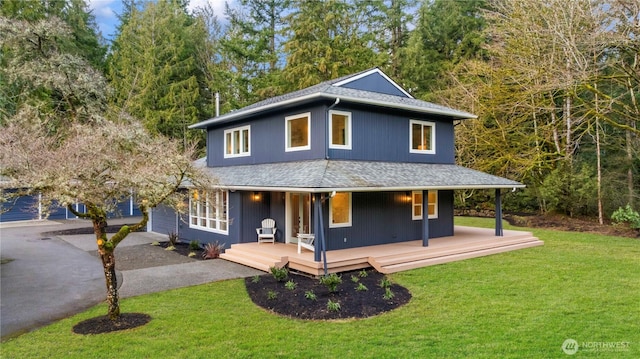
217	5
102	8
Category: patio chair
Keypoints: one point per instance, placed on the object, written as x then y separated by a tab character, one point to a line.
306	241
267	233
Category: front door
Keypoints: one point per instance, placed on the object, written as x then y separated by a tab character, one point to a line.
298	215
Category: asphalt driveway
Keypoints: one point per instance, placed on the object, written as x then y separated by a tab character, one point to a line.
47	278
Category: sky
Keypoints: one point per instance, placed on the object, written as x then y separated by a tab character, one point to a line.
105	12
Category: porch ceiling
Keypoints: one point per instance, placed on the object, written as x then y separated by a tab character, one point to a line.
354	176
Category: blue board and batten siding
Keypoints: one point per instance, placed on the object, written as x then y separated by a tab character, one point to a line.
268	139
386	217
391	129
379	135
377	218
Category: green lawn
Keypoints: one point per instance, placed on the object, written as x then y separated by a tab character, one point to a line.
521	304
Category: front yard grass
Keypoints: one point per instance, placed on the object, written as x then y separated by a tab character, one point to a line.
522	304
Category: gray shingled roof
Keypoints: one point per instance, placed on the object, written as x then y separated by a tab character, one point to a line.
327	90
354	176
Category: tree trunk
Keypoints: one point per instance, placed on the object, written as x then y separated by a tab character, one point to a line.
109	266
599	166
106	251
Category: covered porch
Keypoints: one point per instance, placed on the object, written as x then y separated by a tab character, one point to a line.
467	242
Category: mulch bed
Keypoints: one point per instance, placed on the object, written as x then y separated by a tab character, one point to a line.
183	249
353	303
103	324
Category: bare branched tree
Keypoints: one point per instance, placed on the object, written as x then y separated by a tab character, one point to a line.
66	143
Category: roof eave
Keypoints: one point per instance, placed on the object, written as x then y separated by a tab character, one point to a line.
433	111
233	115
367	189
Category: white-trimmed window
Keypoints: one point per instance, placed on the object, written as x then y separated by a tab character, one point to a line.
340	130
209	211
422	137
298	132
237	142
417	204
340	210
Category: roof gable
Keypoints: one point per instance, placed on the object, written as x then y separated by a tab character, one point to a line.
373	80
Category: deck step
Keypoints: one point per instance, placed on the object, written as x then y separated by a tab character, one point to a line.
402	266
428	252
253	260
317	269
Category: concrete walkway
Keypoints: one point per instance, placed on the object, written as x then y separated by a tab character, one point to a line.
44	279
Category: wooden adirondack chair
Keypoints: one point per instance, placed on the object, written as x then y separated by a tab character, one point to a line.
267	233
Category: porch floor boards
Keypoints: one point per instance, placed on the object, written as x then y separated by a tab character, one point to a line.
467	242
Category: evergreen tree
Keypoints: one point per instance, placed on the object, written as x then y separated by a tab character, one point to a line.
326	42
447	32
154	71
253	45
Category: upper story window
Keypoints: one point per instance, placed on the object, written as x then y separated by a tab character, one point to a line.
417	204
298	132
208	211
237	142
340	130
340	210
423	137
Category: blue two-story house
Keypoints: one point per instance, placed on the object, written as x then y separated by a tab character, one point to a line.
352	162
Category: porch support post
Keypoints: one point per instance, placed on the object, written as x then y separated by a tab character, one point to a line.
320	246
499	231
425	218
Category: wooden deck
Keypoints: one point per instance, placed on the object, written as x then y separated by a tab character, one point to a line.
467	242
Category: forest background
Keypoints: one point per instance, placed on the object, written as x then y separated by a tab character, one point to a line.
555	83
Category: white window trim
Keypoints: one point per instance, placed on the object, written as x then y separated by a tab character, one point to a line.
433	137
224	207
286	132
413	206
241	154
340	225
348	139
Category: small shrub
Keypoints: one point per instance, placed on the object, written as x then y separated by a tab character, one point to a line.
333	306
255	279
170	248
627	215
388	294
291	285
272	295
355	279
361	287
310	295
385	283
194	245
280	274
331	281
212	250
173	239
363	273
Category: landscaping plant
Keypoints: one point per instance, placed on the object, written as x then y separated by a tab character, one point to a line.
212	250
331	281
280	274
